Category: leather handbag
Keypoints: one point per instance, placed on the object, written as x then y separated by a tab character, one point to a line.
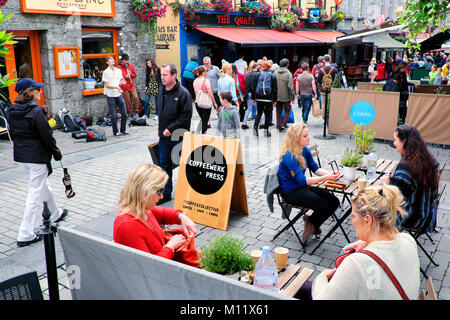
386	269
202	98
187	253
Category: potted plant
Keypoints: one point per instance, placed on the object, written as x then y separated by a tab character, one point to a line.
364	140
350	160
226	255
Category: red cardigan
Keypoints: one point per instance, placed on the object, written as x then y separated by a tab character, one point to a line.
131	232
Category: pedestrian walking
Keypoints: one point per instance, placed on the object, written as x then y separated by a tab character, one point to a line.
174	117
34	147
306	89
286	93
228	123
188	75
204	98
152	84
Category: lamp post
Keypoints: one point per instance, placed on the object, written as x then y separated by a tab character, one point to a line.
47	229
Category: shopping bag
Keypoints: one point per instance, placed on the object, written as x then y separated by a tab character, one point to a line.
291	116
317	111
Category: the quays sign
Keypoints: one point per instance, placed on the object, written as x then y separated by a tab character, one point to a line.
98	8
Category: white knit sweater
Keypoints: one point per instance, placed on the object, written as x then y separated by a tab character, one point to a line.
359	277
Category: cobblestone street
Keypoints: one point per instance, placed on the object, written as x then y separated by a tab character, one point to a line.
99	169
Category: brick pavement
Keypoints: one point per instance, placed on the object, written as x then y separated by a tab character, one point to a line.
98	170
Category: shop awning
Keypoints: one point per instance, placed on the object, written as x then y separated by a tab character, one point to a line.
267	37
383	41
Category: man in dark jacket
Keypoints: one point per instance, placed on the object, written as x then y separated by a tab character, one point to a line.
34	147
174	118
265	99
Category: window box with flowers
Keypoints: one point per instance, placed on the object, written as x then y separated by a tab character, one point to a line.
285	21
148	12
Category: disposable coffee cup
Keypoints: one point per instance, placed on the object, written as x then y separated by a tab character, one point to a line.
255	254
281	256
362	183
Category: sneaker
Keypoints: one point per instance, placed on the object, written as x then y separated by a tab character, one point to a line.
305	122
166	198
117	134
125	133
281	129
38	238
155	118
244	126
308	229
63	216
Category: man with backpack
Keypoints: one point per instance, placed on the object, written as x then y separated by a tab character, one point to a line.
315	72
265	94
326	74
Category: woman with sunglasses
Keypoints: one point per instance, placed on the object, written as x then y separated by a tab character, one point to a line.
34	147
138	222
359	276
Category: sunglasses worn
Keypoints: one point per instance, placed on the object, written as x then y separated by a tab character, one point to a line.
160	192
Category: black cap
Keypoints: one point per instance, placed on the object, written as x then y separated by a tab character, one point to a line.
25	83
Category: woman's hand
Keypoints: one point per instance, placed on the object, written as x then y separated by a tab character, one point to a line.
329	273
332	176
176	242
357	246
385	179
189	227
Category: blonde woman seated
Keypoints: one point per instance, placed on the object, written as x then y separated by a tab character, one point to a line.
138	222
295	157
359	276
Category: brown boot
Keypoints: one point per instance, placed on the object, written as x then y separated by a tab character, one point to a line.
308	229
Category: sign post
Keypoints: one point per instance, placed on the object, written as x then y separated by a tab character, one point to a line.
211	180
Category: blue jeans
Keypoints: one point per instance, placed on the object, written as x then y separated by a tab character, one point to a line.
306	105
146	104
113	104
250	107
165	161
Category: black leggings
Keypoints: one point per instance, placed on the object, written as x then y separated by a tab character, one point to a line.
322	202
204	117
266	108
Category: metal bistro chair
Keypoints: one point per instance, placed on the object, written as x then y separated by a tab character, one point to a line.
285	205
4	129
23	287
417	233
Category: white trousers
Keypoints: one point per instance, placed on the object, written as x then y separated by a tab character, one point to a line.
38	191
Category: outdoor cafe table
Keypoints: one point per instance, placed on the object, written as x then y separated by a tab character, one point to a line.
384	166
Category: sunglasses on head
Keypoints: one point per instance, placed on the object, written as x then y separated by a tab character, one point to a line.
159	192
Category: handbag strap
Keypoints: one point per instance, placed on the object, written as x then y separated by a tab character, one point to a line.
388	272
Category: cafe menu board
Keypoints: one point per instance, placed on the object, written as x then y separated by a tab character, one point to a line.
67	62
211	180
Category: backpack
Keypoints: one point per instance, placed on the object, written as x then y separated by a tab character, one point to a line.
95	135
79	134
264	86
297	73
327	80
136	121
68	121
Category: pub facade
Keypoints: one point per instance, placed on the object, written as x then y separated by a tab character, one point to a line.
63	43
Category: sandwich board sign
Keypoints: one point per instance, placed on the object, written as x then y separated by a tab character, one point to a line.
211	179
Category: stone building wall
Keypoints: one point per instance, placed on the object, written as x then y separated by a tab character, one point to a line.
64	30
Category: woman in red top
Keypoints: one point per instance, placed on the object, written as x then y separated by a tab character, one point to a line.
138	222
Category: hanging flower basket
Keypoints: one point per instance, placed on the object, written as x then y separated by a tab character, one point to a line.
148	12
3	2
285	21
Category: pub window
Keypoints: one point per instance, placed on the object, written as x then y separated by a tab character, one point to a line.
97	44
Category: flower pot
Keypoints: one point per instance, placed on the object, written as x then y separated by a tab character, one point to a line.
349	174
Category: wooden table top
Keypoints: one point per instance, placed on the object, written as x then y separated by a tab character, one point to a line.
291	279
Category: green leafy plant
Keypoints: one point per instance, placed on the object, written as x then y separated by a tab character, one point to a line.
285	21
225	255
5	39
419	15
352	158
364	139
148	12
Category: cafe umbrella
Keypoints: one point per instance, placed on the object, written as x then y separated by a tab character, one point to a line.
67	182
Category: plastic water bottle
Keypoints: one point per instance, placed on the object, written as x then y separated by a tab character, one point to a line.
266	271
372	166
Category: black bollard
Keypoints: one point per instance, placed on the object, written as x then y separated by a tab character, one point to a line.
325	122
47	229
